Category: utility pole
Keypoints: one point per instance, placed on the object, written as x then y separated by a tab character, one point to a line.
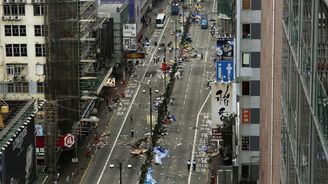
151	119
120	164
175	40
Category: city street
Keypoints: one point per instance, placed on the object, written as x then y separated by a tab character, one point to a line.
189	107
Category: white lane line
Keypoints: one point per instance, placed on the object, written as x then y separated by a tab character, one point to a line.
195	134
214	3
126	116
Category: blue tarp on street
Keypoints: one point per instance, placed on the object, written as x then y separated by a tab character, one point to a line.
149	176
159	154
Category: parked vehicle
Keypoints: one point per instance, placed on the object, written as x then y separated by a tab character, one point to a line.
175	9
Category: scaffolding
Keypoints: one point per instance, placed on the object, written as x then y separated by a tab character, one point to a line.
71	57
51	117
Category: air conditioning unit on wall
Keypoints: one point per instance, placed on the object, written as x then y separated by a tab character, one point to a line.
6	18
16	18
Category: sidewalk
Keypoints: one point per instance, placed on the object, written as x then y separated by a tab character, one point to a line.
75	171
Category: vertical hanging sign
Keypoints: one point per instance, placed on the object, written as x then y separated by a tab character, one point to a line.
221	100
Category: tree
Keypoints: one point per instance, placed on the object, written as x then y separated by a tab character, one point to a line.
226	144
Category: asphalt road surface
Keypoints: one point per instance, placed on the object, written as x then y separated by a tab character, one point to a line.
190	107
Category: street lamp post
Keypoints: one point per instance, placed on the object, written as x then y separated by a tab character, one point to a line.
120	162
151	119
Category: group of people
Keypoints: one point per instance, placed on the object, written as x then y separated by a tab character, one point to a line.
193	165
213	29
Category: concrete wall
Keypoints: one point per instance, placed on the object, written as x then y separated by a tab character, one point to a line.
270	92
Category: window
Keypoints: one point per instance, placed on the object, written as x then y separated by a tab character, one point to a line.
244	171
6	10
39	69
245	143
22	30
40	50
39	30
16	50
40	87
7	30
245	88
10	88
15	30
14	9
23	49
246	31
21	9
38	10
246	60
9	50
246	4
15	69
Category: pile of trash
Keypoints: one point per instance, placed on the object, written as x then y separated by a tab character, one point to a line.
140	146
149	176
159	154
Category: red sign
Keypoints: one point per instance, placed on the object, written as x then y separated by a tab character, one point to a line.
69	140
163	67
216	133
66	141
246	116
138	55
40	141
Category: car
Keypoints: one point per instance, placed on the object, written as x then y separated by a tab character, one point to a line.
156	91
143	91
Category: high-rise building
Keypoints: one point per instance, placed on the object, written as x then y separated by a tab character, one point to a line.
248	68
23	53
304	125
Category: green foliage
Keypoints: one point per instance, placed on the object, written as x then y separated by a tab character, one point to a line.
228	122
162	111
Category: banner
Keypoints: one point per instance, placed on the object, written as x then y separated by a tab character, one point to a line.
221	101
224	48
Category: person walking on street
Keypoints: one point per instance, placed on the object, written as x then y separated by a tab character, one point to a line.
154	59
157	59
189	164
194	165
132	132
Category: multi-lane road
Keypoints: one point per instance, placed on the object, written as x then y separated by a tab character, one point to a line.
191	107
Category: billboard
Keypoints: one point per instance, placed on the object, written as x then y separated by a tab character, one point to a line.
224	71
19	166
221	101
129	30
129	37
129	44
224	49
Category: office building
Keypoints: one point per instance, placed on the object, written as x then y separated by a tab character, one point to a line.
304	126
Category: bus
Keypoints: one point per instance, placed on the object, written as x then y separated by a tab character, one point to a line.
203	23
160	20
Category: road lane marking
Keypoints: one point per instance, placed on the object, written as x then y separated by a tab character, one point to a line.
195	134
126	116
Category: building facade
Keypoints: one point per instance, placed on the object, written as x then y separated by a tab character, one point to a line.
23	53
304	92
271	48
248	65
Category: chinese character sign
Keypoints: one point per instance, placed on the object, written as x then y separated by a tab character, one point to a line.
221	100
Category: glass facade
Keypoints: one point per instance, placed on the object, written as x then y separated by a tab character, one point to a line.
304	133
